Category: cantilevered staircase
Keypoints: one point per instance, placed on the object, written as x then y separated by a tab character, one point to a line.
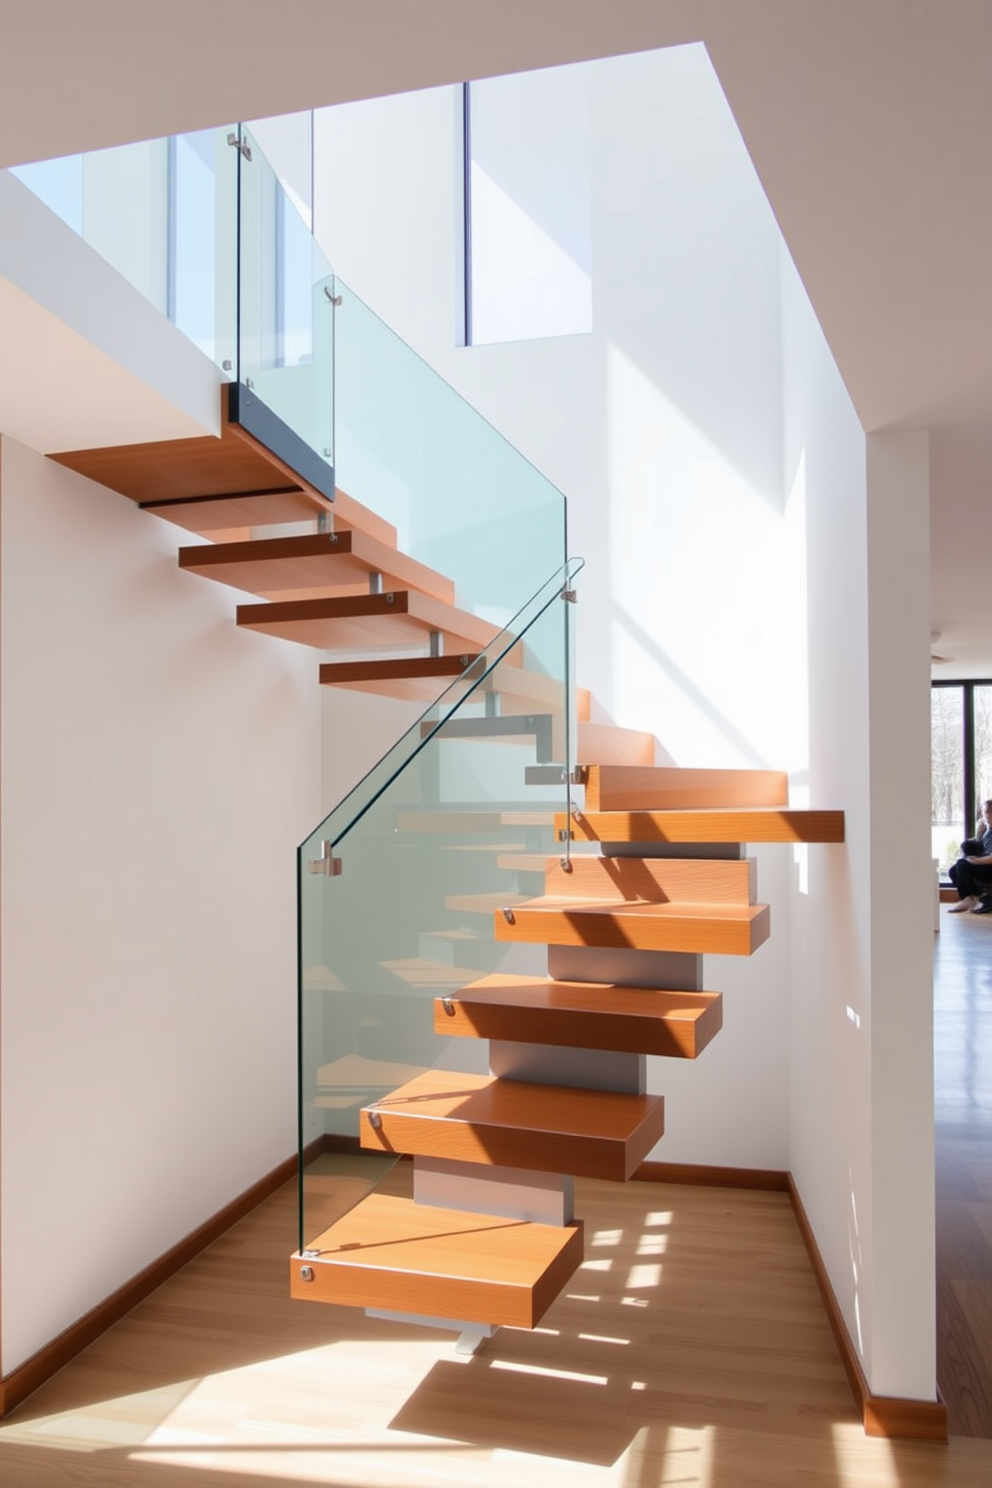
434	1024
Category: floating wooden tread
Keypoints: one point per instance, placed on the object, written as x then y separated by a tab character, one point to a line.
516	1124
521	862
216	484
401	618
484	903
582	1015
232	518
669	788
470	821
719	929
312	566
769	824
418	971
392	1253
663	880
414	678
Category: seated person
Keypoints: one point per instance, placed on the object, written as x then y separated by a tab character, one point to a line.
971	875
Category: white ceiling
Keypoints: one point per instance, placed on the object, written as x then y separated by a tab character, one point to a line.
869	122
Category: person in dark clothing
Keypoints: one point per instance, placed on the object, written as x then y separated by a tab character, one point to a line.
971	875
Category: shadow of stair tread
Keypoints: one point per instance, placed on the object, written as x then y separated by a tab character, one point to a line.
663	787
314	562
393	1253
582	1015
514	1123
718	824
721	929
399	618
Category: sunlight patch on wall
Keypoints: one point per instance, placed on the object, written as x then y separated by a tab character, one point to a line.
697	553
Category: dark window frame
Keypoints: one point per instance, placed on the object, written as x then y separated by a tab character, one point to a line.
969	773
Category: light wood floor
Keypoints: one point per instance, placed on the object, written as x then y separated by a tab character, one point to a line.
963	1127
690	1349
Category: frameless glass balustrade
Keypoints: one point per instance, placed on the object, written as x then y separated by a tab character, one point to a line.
399	886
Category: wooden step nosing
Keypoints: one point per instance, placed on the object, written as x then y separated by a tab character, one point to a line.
707	825
610	925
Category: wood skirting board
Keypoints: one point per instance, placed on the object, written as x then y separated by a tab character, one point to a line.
27	1377
918	1420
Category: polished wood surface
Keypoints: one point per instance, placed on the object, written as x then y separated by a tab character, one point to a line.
769	824
724	930
666	788
963	1131
233	518
177	469
389	1252
401	618
415	678
515	1124
69	1344
690	1349
234	466
312	565
582	1015
673	880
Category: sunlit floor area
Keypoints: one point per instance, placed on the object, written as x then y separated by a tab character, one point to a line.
963	1111
690	1349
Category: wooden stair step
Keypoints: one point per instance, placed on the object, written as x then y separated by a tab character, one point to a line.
522	862
313	566
607	744
418	971
516	1124
484	903
208	484
414	678
717	929
231	518
672	880
767	824
452	822
403	617
582	1015
394	1254
666	788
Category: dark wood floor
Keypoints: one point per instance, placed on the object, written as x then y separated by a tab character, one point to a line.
963	1112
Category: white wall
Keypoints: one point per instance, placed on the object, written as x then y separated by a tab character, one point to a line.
862	1031
159	768
722	490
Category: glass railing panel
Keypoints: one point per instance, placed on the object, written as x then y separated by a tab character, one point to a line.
462	498
163	213
286	306
399	885
202	227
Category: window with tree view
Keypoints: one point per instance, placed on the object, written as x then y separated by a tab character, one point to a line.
961	762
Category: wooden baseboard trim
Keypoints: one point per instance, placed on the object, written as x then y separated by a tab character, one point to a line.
23	1381
917	1420
710	1177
